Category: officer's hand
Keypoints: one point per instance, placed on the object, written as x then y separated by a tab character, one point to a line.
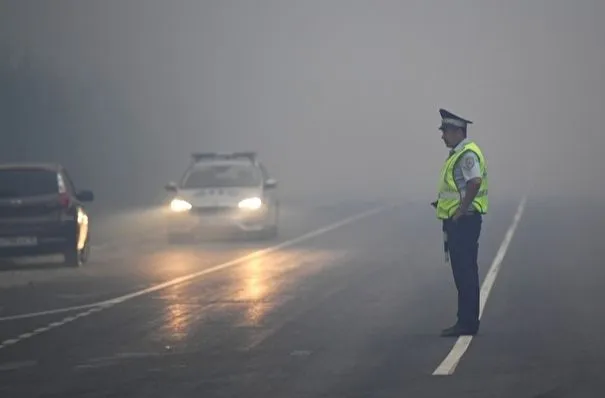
457	215
434	204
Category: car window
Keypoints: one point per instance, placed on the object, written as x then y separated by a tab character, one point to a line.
27	182
68	182
222	176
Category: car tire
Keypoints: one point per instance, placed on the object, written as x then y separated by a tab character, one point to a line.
85	253
74	257
271	231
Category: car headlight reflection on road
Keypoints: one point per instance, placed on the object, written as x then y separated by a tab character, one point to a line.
179	205
251	204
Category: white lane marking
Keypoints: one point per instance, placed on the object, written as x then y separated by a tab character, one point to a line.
17	365
53	312
96	307
53	325
9	342
189	277
449	364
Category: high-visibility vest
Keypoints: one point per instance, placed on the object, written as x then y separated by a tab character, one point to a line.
450	197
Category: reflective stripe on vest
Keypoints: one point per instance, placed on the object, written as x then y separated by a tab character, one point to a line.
449	197
456	194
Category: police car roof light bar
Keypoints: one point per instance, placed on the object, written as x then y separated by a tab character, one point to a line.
200	156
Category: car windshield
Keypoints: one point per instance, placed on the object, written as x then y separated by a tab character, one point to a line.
215	176
27	182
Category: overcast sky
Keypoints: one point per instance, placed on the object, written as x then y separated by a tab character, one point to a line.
337	96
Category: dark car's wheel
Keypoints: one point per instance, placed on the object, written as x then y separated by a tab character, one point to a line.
74	257
85	253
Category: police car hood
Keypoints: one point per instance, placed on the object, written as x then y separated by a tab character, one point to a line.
218	197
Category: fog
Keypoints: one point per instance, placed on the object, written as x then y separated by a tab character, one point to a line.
339	98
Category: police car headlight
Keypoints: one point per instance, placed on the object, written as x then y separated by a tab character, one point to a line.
180	205
250	204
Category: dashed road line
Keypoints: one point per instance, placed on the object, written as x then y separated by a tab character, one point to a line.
50	326
11	366
449	364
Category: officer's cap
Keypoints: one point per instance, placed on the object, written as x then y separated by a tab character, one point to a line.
448	119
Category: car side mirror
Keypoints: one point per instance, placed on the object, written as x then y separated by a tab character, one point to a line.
171	187
270	183
85	196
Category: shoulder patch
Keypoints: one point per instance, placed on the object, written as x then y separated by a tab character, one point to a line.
469	162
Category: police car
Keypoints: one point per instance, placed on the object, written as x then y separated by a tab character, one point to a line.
223	192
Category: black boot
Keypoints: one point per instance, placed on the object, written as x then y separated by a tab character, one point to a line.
460	330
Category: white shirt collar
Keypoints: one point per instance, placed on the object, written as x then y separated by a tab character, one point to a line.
461	144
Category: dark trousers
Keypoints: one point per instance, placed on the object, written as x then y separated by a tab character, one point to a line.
463	244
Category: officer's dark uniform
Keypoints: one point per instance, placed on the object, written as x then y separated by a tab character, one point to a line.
462	246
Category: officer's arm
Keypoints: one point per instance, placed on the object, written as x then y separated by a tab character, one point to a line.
472	188
472	174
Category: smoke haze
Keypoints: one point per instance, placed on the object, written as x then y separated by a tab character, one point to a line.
340	98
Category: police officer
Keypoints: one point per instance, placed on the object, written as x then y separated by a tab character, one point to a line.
461	203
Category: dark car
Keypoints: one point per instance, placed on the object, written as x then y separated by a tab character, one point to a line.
42	213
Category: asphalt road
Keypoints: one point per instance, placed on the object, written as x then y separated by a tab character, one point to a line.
348	302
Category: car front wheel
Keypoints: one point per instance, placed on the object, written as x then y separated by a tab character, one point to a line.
74	257
271	230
